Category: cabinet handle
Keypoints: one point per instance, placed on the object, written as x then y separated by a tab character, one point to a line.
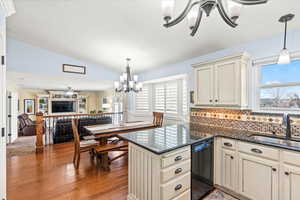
228	144
179	170
286	173
274	169
178	187
178	158
256	150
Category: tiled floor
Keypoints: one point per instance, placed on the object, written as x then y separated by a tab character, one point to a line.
219	195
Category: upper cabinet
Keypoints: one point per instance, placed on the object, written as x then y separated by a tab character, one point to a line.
223	83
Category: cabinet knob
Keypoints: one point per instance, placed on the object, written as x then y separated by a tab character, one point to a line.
216	100
227	144
231	157
286	173
178	187
178	158
179	170
210	100
256	150
274	169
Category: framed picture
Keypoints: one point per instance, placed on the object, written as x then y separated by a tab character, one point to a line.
29	106
74	69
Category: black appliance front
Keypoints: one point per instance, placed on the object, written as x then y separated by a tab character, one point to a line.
202	168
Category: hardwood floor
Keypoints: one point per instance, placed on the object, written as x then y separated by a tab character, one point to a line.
52	176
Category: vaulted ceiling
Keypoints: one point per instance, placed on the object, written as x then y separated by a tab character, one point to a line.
108	31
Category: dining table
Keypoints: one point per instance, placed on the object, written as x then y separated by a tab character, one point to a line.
102	132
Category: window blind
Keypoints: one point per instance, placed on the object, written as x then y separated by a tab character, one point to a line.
172	97
142	100
159	92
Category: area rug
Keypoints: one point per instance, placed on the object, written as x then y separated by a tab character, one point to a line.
21	146
219	195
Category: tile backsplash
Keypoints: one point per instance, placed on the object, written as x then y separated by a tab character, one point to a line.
245	120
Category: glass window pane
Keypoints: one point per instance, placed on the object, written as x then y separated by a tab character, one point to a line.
275	73
280	97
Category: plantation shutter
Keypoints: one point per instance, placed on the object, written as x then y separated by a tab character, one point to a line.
172	97
184	97
159	92
142	100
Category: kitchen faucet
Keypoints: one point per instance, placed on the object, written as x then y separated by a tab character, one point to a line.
287	123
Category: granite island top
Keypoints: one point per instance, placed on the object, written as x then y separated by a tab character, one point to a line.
168	138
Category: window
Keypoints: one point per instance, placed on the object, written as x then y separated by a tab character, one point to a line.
142	100
280	87
169	97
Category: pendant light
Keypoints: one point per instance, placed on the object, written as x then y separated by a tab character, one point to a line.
284	56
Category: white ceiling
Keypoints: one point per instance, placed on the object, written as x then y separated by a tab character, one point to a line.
108	31
44	82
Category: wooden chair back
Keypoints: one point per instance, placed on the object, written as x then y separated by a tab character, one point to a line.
158	118
75	133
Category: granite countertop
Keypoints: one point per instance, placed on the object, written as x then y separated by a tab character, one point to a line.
168	138
163	139
245	136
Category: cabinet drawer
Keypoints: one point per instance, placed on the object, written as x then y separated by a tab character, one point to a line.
259	150
291	157
228	143
184	196
175	157
175	171
176	187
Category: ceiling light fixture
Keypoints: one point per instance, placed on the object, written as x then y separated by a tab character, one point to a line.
127	82
284	56
195	8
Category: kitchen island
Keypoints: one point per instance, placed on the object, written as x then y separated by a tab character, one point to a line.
160	163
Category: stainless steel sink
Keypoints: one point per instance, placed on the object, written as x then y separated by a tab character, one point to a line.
275	140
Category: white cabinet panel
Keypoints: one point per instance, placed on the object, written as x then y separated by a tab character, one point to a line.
204	82
258	178
226	83
229	172
291	182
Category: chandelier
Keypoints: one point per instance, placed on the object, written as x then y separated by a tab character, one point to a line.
127	82
195	9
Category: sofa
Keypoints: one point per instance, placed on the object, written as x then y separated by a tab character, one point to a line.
26	126
63	127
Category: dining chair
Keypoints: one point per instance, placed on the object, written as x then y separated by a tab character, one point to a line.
81	146
158	118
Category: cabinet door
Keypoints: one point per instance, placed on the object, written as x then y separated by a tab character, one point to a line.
291	182
258	178
204	85
229	172
227	84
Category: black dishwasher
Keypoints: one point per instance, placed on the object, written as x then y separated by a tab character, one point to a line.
202	168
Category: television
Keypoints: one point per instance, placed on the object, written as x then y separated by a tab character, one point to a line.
63	106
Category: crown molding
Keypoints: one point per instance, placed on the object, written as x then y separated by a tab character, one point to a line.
8	7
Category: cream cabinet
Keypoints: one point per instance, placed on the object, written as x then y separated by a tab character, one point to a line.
159	177
291	182
229	171
223	83
258	177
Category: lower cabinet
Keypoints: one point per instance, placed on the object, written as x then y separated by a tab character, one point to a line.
228	171
291	182
258	178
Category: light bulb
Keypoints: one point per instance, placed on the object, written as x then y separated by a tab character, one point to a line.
192	17
284	57
125	76
234	9
117	84
121	79
135	78
167	9
131	83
